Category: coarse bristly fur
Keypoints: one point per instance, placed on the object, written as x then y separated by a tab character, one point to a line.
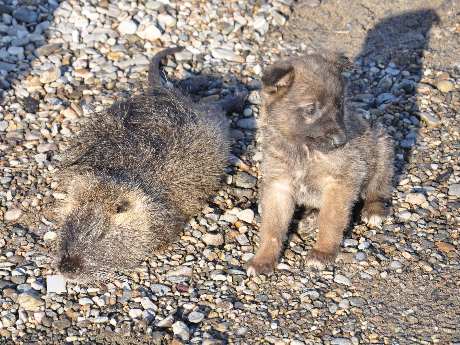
134	175
316	154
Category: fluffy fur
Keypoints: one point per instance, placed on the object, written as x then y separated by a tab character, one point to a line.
134	175
315	154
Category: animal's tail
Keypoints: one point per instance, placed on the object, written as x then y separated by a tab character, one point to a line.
154	69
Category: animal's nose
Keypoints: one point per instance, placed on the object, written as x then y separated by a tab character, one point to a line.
70	264
338	139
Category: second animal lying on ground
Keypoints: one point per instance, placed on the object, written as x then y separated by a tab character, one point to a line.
135	174
316	154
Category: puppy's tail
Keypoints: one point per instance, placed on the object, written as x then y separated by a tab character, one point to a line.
154	69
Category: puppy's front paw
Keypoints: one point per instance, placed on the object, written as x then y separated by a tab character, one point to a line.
261	264
319	260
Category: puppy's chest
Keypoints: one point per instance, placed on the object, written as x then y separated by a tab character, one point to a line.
306	188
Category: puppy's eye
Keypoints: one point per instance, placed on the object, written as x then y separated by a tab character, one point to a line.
122	206
307	110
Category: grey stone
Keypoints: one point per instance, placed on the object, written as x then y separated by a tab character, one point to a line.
454	190
30	301
24	14
181	330
341	279
244	180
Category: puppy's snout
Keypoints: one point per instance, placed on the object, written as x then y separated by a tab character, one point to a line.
338	139
70	264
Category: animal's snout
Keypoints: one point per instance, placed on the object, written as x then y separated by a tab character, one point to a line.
338	139
70	264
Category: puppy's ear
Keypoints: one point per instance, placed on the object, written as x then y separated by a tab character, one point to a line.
278	76
340	61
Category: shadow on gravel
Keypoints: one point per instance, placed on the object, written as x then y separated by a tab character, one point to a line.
398	42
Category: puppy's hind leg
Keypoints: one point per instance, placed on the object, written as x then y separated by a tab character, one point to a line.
378	188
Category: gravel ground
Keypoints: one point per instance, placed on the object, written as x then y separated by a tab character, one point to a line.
398	284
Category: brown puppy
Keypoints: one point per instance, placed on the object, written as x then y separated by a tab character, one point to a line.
318	155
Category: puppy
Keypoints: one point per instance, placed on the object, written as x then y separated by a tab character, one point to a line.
316	154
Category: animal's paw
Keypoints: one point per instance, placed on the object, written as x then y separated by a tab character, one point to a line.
261	264
374	221
319	260
373	213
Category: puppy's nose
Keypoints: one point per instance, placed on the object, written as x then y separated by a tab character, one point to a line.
70	264
338	139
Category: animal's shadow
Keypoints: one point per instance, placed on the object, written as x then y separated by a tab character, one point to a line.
397	42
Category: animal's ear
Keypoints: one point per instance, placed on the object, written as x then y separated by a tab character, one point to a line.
278	76
340	61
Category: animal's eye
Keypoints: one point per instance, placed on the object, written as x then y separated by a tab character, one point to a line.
307	110
122	206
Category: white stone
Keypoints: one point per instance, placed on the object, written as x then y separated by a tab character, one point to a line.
166	21
148	32
416	198
246	215
341	279
12	215
195	317
213	239
181	330
127	27
56	284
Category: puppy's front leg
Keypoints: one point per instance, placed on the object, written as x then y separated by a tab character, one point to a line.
277	209
333	218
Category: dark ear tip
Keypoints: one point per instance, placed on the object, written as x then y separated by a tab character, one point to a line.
274	73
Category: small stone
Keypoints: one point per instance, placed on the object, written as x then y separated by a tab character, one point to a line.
416	198
85	301
12	215
148	32
311	3
350	242
50	236
404	216
430	119
226	54
30	301
454	189
166	21
23	14
360	256
42	148
195	317
50	75
357	301
213	239
244	180
135	313
127	27
395	265
3	126
247	123
148	304
341	341
246	215
62	324
181	330
341	279
445	247
180	271
56	284
260	25
445	86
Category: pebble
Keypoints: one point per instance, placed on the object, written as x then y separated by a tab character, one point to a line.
246	215
226	54
244	180
135	313
50	75
181	330
395	265
416	198
30	301
50	236
166	21
12	215
260	25
195	317
127	27
247	123
445	86
341	341
430	119
404	216
55	284
26	15
149	32
454	190
213	239
341	279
